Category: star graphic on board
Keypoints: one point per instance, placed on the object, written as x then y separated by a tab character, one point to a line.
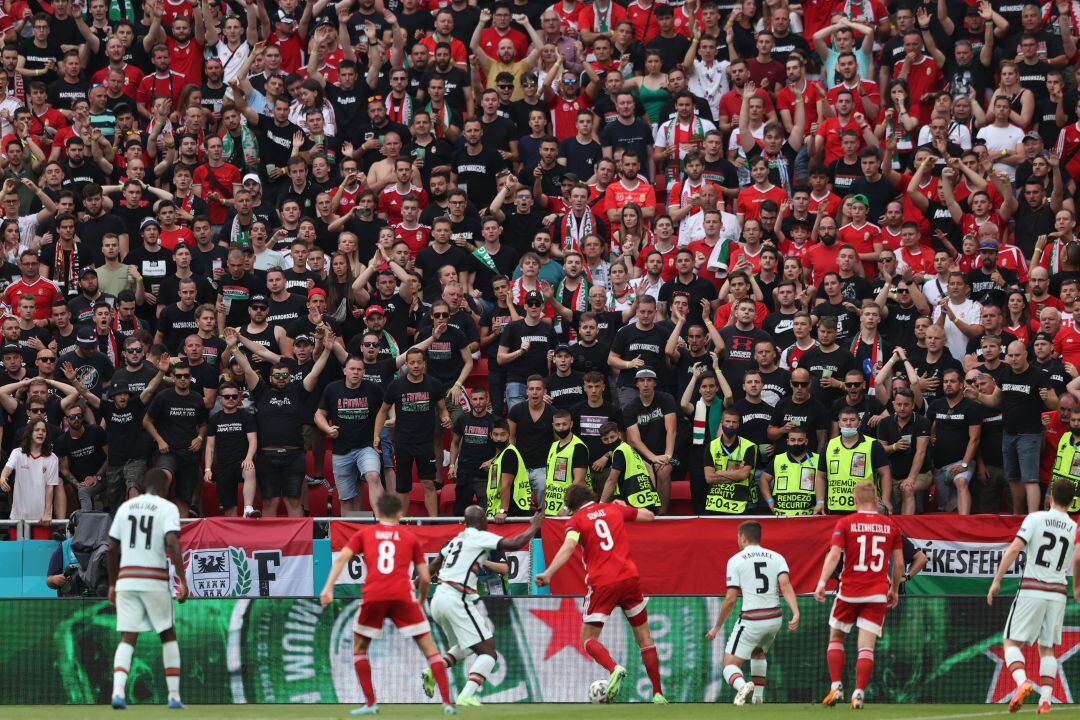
565	624
1002	685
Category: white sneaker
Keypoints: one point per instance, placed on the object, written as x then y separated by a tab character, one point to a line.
758	700
745	692
857	697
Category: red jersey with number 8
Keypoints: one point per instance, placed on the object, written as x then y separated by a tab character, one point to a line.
389	552
603	542
868	540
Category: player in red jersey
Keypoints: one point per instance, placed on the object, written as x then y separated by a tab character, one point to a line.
611	578
389	551
868	540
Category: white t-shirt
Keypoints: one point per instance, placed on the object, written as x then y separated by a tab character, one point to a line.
1001	138
956	341
33	473
463	555
140	526
756	572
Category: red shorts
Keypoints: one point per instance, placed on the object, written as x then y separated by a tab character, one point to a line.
626	594
406	615
869	616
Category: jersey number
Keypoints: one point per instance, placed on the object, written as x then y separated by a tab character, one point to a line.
759	573
1040	558
877	554
385	563
145	525
606	541
453	550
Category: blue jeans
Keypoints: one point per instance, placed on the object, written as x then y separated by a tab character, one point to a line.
1021	456
515	394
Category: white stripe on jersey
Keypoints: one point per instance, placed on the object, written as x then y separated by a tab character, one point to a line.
1050	541
140	527
462	555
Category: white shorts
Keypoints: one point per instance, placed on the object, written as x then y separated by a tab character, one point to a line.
456	614
747	635
143	610
1032	618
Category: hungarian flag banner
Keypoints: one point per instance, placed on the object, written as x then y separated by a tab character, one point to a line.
689	556
433	537
233	557
962	552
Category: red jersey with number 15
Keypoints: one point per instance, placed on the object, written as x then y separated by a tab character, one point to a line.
602	538
389	552
867	539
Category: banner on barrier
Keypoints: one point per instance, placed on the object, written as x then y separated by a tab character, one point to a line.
292	650
433	538
689	557
230	557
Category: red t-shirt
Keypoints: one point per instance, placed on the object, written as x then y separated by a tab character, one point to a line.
417	239
830	129
389	553
132	77
723	314
180	236
218	180
564	114
750	200
867	539
186	59
617	195
821	259
43	290
603	542
644	21
669	272
731	103
921	263
292	51
862	239
153	86
830	204
785	100
868	88
1066	343
924	81
390	200
491	37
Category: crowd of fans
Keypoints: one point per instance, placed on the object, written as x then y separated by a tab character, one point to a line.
713	257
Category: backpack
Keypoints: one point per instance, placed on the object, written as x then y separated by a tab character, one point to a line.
88	547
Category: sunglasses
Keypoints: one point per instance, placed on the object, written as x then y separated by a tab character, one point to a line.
75	416
795	383
133	350
279	375
370	344
505	87
902	291
47	359
533	303
375	98
230	396
971	381
852	384
35	410
184	376
439	316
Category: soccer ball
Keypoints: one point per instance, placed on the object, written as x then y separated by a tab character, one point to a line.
598	692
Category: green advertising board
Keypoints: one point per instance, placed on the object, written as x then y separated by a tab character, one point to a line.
945	650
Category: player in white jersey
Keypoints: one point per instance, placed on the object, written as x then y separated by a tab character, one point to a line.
1038	610
453	606
145	534
761	577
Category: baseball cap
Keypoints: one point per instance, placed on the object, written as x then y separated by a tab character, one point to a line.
972	10
534	297
859	198
86	336
1032	135
562	347
87	271
315	291
374	310
1044	336
988	245
11	348
147	222
252	176
258	300
118	389
645	373
304	339
285	17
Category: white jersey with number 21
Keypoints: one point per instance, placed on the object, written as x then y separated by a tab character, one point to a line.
756	572
1050	539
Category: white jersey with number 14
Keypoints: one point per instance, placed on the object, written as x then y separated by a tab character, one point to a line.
140	527
1050	539
756	572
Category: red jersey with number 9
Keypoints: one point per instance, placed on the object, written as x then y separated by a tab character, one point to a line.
868	540
389	552
603	542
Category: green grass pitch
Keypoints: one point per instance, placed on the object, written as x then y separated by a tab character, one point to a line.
528	712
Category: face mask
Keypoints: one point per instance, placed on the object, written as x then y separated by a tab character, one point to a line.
797	449
562	434
849	432
729	431
500	446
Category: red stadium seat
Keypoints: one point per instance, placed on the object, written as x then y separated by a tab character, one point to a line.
446	499
416	501
680	499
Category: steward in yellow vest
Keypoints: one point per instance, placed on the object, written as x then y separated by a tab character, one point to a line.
730	470
567	463
1067	463
508	488
788	484
850	459
629	478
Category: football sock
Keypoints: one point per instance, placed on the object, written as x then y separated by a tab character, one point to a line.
455	655
478	674
363	674
835	658
438	669
248	509
864	667
733	677
599	653
652	667
757	676
170	655
1047	676
1014	660
121	668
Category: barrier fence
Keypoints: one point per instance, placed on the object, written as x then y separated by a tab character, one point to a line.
290	650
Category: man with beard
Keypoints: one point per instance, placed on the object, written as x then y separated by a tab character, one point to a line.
871	411
650	429
956	426
477	166
822	258
799	410
739	338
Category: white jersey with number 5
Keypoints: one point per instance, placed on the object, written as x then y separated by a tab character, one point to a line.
756	572
140	527
1050	539
462	557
